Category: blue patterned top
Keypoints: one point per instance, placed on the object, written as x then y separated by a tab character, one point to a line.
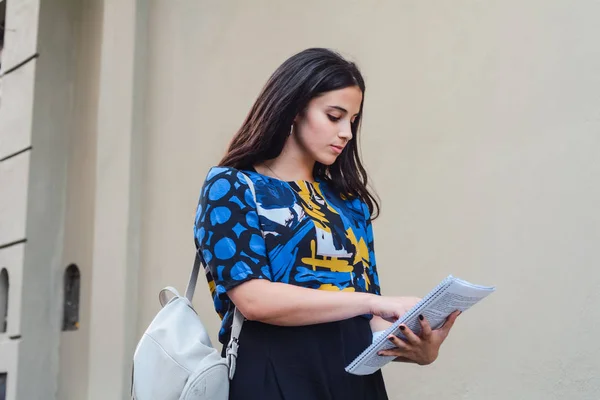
301	233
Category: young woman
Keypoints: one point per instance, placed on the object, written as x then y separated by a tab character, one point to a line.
297	257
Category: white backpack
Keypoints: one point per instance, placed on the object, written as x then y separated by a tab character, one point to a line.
175	359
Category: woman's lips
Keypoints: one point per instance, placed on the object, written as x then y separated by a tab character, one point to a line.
337	149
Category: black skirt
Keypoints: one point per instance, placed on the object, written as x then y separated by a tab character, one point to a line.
304	363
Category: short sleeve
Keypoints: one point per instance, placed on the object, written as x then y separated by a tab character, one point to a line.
227	232
372	271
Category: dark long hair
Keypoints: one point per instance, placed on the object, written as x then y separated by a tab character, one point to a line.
286	94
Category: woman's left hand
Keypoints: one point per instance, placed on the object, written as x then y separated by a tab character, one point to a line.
423	349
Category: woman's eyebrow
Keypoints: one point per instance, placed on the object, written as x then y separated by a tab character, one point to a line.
342	109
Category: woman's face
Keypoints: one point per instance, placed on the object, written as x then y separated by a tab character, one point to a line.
324	129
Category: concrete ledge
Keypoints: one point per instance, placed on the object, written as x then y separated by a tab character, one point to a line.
16	109
20	38
14	178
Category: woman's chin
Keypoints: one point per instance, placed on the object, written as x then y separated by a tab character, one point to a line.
328	160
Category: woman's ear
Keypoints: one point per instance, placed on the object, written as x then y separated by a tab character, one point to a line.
300	115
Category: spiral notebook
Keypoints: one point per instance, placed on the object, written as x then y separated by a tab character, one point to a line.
450	295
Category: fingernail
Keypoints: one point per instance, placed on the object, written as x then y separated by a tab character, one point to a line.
421	317
460	312
391	339
402	328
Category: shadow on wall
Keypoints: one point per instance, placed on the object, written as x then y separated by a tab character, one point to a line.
2	24
4	286
2	386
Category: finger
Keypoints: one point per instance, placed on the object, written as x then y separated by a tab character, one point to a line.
399	354
399	343
450	321
391	319
410	335
391	353
425	327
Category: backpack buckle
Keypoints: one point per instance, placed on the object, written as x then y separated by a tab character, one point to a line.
232	353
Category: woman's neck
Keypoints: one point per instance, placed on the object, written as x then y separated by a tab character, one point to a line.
293	164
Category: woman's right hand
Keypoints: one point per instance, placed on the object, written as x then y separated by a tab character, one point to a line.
391	308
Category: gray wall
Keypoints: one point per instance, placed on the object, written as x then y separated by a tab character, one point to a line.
35	118
481	134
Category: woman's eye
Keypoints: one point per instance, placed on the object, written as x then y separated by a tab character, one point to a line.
332	118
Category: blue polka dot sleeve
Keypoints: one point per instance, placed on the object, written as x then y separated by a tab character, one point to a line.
228	235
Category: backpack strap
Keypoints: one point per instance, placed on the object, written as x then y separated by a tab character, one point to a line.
238	319
234	342
191	287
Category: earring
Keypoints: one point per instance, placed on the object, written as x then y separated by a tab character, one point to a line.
291	129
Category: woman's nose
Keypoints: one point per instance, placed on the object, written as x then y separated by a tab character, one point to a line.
346	133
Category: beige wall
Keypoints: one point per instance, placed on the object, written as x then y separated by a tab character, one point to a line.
481	134
73	380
